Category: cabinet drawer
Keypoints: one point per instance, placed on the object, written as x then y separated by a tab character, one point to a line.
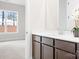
65	46
35	37
48	41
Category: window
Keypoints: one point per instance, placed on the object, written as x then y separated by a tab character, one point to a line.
8	21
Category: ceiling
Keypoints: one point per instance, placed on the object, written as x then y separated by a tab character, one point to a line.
20	2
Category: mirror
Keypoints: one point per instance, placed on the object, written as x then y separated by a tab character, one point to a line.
68	14
62	15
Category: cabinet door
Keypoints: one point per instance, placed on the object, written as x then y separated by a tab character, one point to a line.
77	54
77	51
47	52
67	46
48	41
63	55
36	50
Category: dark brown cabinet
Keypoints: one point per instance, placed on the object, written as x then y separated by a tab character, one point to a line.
47	52
77	54
36	50
36	38
63	55
50	48
67	46
78	51
48	41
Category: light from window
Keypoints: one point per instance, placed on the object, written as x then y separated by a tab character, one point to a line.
8	21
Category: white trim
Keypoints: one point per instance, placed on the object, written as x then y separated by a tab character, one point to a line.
28	29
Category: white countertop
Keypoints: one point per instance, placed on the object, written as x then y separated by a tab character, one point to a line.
55	34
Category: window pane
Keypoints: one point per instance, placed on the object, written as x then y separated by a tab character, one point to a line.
2	28
11	21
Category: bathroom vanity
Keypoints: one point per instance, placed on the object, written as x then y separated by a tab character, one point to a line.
49	46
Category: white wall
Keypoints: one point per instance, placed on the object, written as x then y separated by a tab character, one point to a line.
21	22
44	15
37	23
52	15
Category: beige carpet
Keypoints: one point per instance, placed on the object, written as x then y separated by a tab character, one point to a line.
12	50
